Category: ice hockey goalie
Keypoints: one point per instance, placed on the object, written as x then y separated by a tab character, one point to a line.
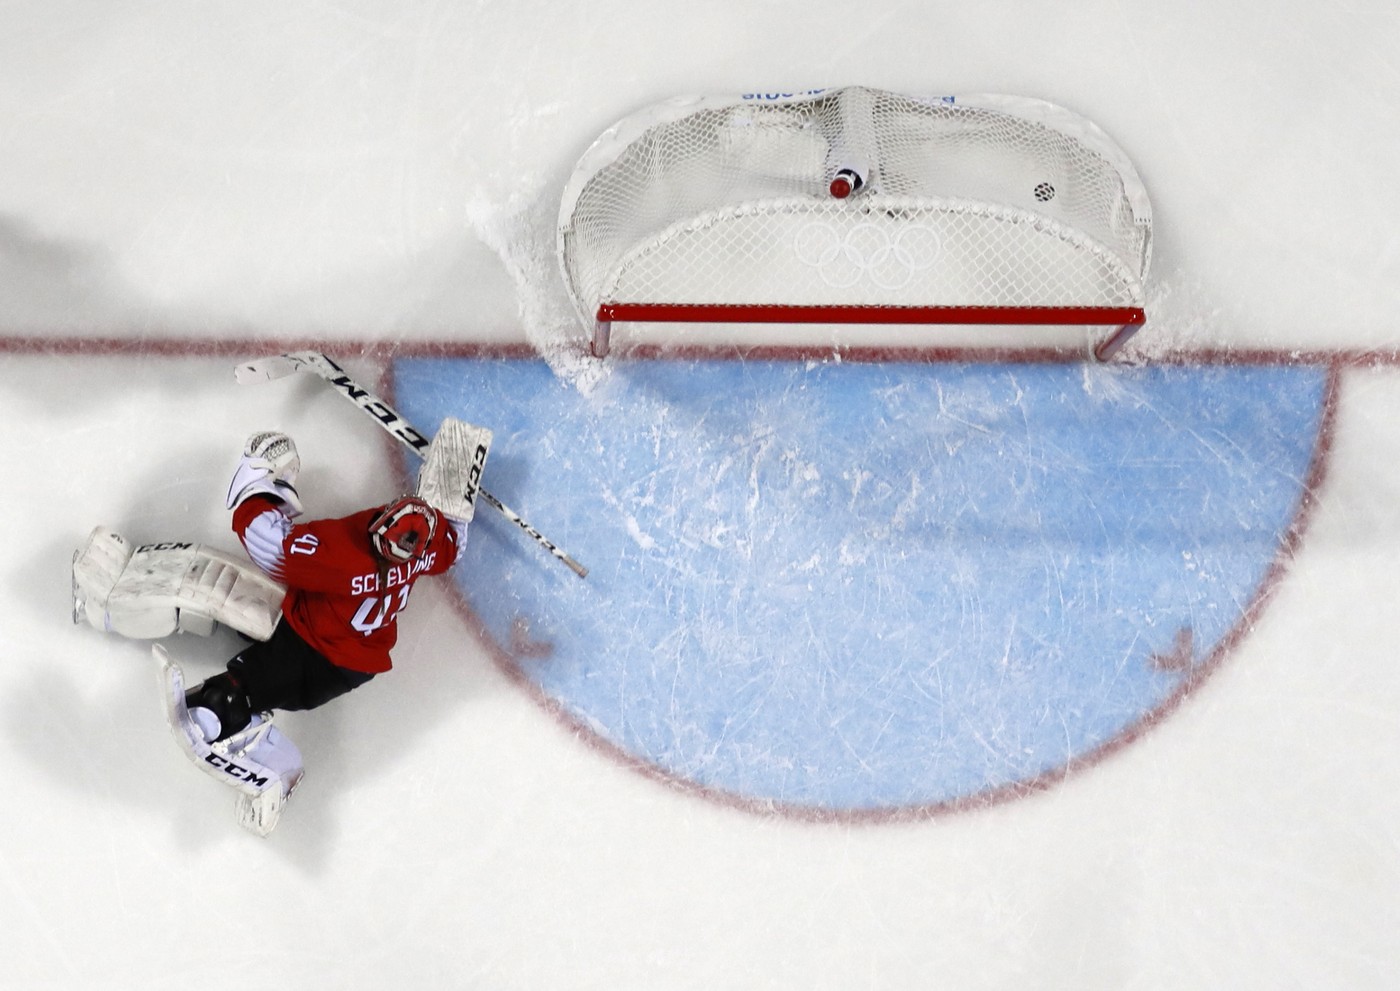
317	602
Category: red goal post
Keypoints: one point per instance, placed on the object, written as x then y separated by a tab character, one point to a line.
856	206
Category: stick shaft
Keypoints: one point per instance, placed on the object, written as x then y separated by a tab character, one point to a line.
388	418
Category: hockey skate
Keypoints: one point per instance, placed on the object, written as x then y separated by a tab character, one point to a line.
258	761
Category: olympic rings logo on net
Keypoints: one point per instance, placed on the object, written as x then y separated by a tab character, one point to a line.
868	251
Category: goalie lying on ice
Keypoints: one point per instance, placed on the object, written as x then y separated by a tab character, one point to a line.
321	614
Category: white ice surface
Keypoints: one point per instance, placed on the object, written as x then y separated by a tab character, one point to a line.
262	171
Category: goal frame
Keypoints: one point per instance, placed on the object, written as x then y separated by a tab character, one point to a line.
1124	317
1125	321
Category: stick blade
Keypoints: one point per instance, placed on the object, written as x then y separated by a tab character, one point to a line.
268	369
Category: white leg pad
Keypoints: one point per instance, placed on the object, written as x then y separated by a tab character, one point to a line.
97	566
261	763
145	602
155	590
221	588
263	745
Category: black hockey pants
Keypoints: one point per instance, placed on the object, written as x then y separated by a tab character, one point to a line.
283	672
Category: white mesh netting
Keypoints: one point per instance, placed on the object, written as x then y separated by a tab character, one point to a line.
969	201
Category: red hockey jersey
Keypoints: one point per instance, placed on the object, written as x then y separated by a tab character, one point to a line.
341	598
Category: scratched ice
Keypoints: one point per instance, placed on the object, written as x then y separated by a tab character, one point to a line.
184	185
846	586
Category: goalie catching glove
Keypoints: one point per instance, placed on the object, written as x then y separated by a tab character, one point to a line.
269	466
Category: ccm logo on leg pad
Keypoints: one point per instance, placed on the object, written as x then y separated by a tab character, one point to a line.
234	770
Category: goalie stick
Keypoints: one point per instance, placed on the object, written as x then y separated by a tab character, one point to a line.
279	366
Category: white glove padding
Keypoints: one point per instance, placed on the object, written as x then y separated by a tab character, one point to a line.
450	478
270	465
278	450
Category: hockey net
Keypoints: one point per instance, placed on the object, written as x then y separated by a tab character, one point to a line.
985	209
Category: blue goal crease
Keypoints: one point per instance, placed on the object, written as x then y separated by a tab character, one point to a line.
855	586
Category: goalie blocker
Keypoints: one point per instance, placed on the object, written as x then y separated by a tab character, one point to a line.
450	479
